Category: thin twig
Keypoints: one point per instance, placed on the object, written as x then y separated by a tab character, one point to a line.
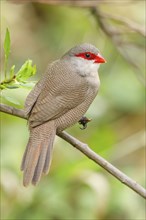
13	111
84	148
112	34
133	26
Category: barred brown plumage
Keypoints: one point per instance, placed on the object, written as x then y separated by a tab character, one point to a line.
58	100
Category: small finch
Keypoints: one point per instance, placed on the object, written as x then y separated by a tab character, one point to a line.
58	100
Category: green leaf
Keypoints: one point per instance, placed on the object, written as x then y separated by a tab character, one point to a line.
26	71
7	43
2	86
13	86
7	51
27	85
11	100
12	71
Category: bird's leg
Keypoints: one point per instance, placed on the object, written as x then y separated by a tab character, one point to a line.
84	121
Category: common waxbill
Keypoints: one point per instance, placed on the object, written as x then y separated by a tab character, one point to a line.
58	101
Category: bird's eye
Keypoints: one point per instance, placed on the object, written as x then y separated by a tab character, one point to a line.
87	55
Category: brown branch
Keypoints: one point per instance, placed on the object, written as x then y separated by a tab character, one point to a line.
84	148
133	26
112	34
77	3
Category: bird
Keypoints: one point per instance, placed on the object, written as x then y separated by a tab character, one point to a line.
59	100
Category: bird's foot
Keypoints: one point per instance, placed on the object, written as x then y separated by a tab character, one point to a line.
84	121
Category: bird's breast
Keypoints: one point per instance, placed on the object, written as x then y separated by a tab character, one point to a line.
93	83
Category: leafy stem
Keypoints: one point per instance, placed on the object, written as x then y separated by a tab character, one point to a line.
13	79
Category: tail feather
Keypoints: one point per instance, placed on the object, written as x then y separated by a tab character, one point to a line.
40	164
31	162
24	157
48	156
38	151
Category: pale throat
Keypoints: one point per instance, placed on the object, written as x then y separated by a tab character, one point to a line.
85	67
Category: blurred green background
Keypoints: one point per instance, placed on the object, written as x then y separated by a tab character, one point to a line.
76	187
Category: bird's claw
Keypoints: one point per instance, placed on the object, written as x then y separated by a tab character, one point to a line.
84	121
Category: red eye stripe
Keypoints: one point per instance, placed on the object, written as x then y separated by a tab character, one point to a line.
87	55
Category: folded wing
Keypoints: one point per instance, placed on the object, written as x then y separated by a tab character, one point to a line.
57	92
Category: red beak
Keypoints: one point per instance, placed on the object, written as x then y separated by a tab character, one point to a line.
99	59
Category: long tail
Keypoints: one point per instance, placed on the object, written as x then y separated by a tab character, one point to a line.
38	154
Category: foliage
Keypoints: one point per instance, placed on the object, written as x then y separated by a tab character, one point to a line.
19	79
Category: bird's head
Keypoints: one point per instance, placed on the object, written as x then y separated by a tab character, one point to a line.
85	58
